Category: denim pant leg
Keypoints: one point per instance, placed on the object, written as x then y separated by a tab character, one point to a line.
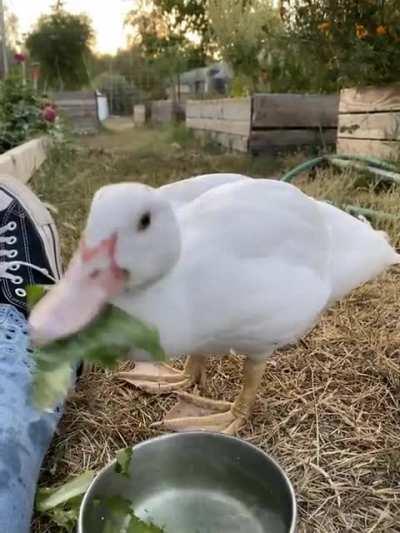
25	433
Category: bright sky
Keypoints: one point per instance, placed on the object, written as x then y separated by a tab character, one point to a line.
108	18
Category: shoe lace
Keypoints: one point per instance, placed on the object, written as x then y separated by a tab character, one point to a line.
8	266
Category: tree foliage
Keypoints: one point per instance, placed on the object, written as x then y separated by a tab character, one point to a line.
161	50
61	43
189	16
22	113
247	38
349	42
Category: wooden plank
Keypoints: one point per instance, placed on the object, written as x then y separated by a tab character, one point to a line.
139	114
166	111
236	127
222	108
385	126
370	99
162	111
78	113
275	140
294	111
73	94
374	148
238	143
236	108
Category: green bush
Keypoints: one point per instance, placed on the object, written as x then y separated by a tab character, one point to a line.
347	42
23	115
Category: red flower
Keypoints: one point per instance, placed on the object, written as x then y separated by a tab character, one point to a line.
49	114
20	57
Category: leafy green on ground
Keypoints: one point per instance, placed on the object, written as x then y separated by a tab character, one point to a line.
105	340
62	504
123	461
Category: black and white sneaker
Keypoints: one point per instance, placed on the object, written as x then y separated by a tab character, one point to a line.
29	243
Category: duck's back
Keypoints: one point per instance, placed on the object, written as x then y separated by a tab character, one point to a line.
259	262
185	191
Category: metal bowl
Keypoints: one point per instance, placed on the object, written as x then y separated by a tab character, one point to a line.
197	482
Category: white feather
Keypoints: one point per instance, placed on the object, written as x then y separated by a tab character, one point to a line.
259	262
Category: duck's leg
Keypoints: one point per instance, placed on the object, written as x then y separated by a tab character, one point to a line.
162	378
193	413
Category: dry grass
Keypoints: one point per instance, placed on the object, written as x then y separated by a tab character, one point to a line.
328	409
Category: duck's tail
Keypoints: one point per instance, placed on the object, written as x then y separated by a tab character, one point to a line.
359	252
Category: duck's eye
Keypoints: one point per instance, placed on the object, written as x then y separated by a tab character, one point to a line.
144	222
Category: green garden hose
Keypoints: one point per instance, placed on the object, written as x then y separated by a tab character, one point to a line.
384	170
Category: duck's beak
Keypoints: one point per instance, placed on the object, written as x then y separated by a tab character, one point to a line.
91	280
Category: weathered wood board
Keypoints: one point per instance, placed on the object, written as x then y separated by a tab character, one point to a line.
80	108
377	126
294	111
165	111
370	99
369	122
237	109
139	114
236	127
367	147
233	143
273	141
227	120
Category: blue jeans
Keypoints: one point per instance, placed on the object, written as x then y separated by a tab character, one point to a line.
25	433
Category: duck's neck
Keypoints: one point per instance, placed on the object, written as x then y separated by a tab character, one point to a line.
162	305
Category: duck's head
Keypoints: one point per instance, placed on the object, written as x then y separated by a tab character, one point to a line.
131	240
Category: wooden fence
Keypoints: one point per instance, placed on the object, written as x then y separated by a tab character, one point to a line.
80	108
369	122
140	114
266	123
286	121
164	111
226	120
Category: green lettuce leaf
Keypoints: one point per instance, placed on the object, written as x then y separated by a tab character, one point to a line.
105	340
138	526
62	504
47	499
124	458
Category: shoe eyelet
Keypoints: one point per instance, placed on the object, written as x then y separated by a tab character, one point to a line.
12	254
14	268
20	292
12	240
12	226
17	280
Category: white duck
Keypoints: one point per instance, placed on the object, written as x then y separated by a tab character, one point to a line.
216	263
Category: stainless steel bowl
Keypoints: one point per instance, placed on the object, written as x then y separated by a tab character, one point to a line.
197	483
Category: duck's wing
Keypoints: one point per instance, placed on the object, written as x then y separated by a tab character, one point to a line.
266	260
255	262
185	191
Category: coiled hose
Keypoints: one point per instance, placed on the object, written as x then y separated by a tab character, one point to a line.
384	170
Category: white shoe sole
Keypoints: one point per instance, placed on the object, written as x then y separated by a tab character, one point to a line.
42	219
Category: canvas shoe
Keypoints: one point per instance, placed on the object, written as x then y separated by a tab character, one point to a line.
29	243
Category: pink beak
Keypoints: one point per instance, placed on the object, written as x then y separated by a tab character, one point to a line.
90	281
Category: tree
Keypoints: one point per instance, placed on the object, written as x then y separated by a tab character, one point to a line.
189	17
163	53
61	43
349	43
246	40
